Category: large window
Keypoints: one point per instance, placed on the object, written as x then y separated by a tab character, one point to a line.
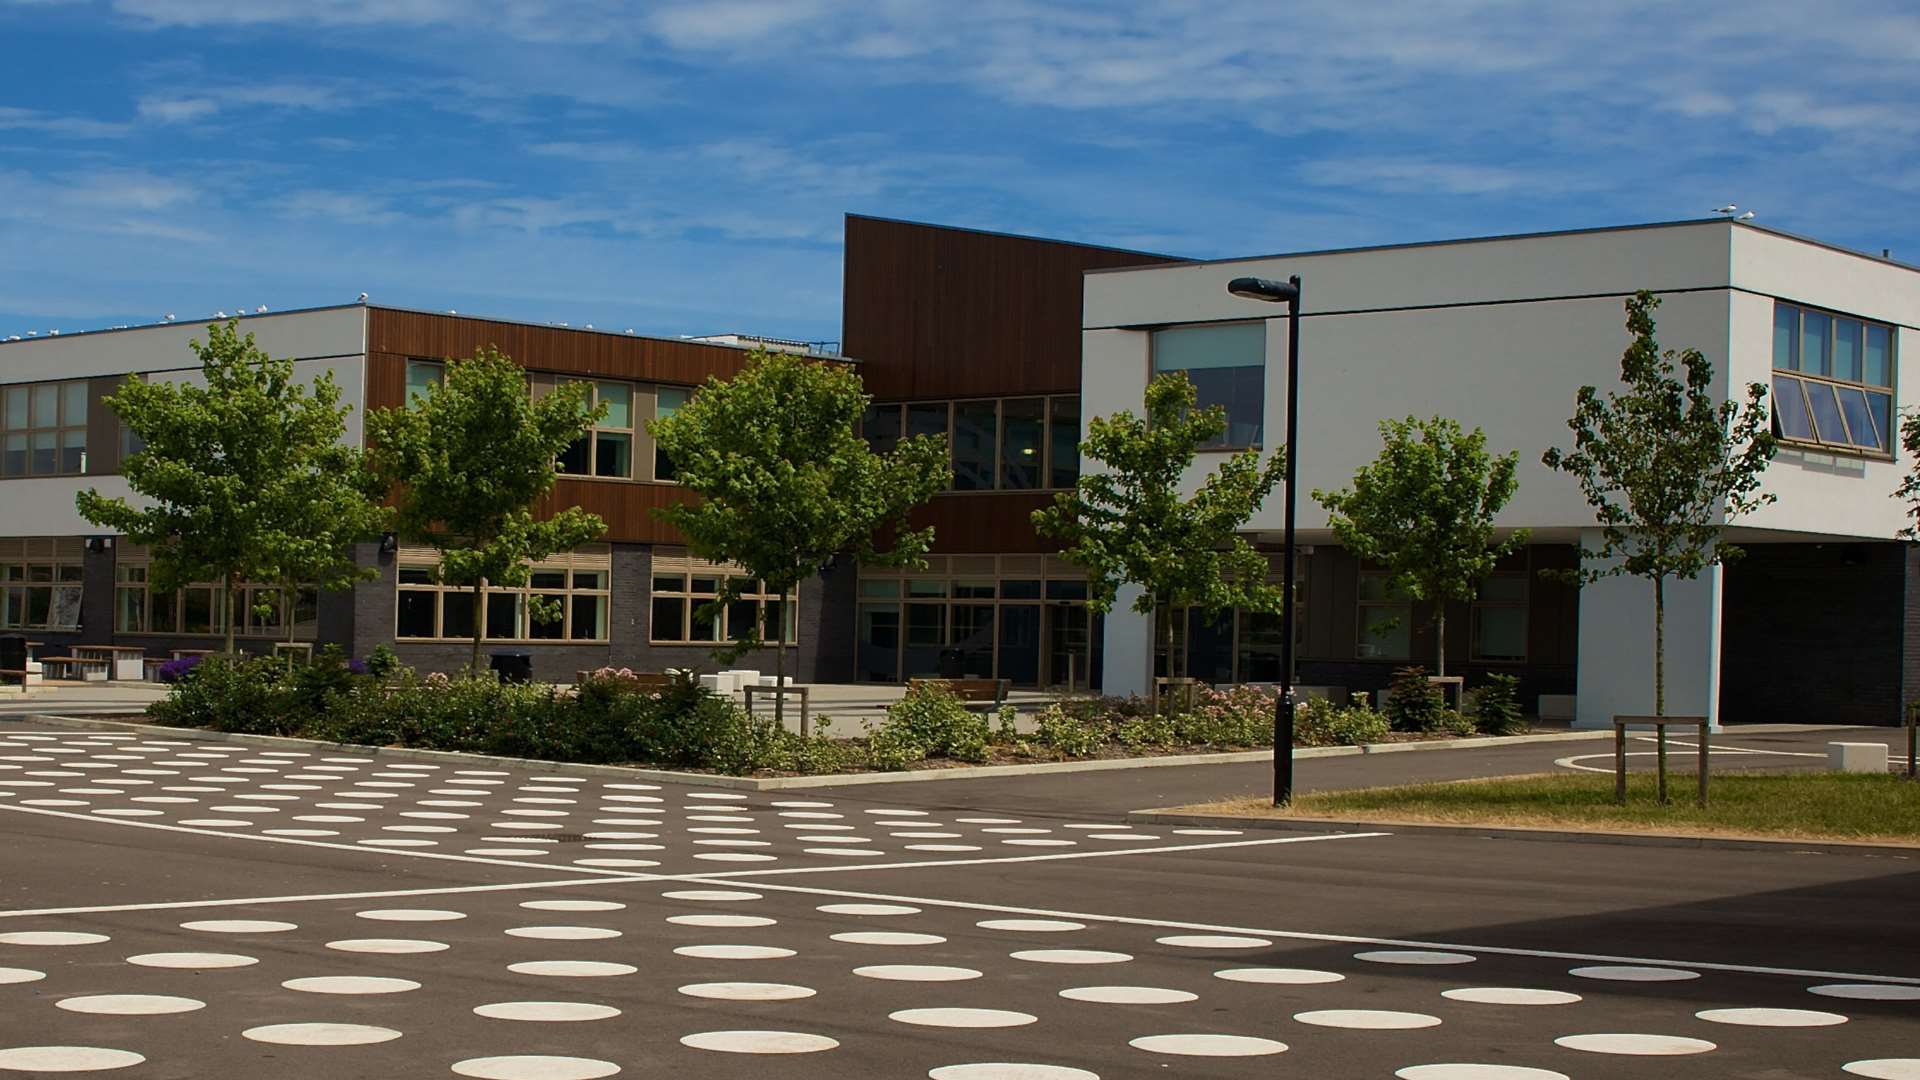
1227	363
1010	444
685	610
43	429
606	450
1500	618
1017	617
422	377
576	587
667	401
1385	620
40	584
1832	380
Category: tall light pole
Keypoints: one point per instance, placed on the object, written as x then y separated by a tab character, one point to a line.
1274	292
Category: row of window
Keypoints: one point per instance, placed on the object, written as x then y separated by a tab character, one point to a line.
1010	444
40	595
683	611
1497	628
264	610
1833	379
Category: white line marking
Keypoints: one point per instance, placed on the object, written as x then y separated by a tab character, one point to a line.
1571	762
1302	935
1057	857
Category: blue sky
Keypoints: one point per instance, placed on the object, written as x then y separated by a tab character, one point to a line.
684	168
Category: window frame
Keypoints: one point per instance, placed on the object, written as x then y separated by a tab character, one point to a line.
130	559
61	428
1480	604
1801	379
1361	638
1046	468
686	569
591	436
1225	444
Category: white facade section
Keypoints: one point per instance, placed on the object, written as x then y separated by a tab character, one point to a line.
320	341
1500	334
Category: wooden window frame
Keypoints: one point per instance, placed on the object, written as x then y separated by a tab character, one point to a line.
58	427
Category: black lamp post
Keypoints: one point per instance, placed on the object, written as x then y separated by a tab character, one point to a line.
1274	292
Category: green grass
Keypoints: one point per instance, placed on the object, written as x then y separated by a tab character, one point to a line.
1806	806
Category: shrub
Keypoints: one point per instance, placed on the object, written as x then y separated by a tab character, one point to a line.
1416	703
928	721
382	662
1496	706
228	694
1451	722
1357	725
1068	734
176	669
1241	716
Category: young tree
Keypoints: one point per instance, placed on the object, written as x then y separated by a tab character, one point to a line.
787	483
1424	509
1665	467
469	461
1128	523
1909	489
245	478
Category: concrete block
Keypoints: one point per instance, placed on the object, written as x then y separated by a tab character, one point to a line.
1861	757
1556	706
719	684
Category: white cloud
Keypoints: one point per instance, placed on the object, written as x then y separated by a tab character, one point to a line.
1408	176
73	127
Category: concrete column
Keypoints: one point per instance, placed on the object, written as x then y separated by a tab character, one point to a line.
1129	647
1616	647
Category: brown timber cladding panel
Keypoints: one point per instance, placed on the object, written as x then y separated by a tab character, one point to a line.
546	348
1000	523
936	312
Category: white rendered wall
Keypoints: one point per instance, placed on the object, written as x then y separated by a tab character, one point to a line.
44	506
1127	665
1616	647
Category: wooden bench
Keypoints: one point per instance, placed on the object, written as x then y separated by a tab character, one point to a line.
84	669
989	692
13	676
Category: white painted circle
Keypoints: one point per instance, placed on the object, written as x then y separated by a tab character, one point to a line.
546	1011
942	847
1637	1045
1008	1070
731	856
721	920
410	915
1367	1019
733	952
579	969
9	975
1041	842
192	961
52	938
1510	995
1279	976
1207	1045
1128	995
963	1018
1465	1071
239	926
720	895
619	863
1633	973
1867	991
747	991
572	905
916	973
1413	956
388	945
867	909
1071	956
758	1042
1788	1018
350	984
844	852
1885	1068
534	1067
1213	941
45	1059
130	1004
882	937
563	933
320	1034
1031	926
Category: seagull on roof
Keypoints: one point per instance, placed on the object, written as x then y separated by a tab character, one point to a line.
1748	216
363	298
219	314
1727	209
169	316
261	310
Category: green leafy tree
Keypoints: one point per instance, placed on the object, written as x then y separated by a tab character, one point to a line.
787	483
1909	489
1127	523
242	479
1424	509
1666	468
469	461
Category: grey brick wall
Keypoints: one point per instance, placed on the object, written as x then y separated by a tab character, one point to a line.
1819	633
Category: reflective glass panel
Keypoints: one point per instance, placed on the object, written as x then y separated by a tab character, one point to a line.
1790	419
1786	337
1846	349
1827	425
1023	426
1878	369
975	427
1853	403
1816	337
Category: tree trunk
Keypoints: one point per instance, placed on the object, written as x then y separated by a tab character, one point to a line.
1660	646
479	626
780	667
1440	630
289	603
229	602
1162	639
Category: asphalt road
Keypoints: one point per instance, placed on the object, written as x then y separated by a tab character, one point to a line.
179	909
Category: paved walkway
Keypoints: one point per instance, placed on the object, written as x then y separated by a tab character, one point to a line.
173	908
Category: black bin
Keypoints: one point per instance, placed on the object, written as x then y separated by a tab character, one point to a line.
513	667
953	663
13	652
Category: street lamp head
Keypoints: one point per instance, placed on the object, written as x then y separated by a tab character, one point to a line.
1273	292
